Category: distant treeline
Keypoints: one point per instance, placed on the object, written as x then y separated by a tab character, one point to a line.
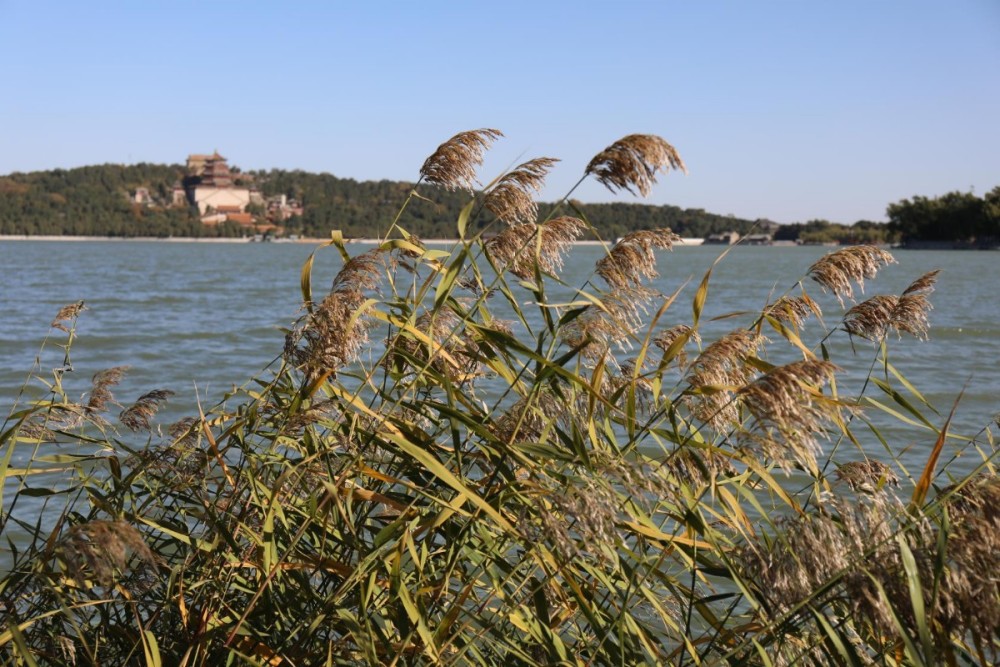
97	201
365	209
957	217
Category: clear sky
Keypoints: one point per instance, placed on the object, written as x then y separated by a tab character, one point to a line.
789	110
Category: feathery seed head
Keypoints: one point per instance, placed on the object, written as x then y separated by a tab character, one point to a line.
788	408
696	467
66	314
102	549
184	431
447	347
514	249
527	419
100	393
719	371
453	164
910	315
869	476
511	199
331	335
924	284
817	550
362	272
793	309
136	417
633	161
632	258
598	328
836	271
871	318
665	339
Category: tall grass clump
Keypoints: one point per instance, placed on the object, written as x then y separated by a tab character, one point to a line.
448	465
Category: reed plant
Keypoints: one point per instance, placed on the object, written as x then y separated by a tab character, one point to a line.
582	481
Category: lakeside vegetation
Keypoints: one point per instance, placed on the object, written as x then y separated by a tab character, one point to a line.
415	481
96	201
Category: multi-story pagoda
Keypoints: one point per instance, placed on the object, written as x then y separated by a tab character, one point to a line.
215	173
209	186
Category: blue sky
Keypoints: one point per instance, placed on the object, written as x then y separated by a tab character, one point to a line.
789	110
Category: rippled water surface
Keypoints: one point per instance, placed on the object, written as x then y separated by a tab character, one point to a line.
198	318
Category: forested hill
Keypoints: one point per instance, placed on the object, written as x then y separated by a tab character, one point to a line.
97	201
366	208
94	201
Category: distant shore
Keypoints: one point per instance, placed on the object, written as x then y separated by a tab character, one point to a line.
192	239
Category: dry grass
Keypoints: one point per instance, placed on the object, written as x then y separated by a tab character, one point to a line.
631	163
100	392
717	373
521	248
136	416
67	313
840	269
453	165
512	198
632	260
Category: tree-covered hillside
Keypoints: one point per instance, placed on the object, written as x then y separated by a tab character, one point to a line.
97	201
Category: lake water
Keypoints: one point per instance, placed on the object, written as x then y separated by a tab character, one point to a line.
197	318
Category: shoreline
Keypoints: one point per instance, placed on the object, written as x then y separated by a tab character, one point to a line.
192	239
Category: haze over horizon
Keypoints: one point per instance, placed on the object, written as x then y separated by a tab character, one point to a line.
781	110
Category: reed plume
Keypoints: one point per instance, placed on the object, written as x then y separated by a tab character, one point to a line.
453	164
868	476
719	371
612	323
514	249
184	430
970	595
680	336
788	407
511	199
836	271
873	318
101	550
526	420
618	383
793	310
633	161
692	466
100	393
332	335
910	313
446	347
362	272
66	314
136	417
632	258
815	550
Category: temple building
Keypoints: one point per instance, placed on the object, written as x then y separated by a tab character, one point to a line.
210	186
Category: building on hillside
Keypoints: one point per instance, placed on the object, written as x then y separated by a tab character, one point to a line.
280	208
142	196
211	186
